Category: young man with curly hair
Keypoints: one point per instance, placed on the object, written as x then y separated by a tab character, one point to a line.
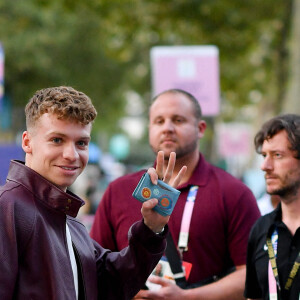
45	253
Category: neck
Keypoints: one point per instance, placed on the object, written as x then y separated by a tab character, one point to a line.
190	161
275	200
291	214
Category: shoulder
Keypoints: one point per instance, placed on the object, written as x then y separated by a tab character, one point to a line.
262	225
224	176
229	183
17	208
16	195
235	196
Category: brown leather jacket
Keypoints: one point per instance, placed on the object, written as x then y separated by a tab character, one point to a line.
34	258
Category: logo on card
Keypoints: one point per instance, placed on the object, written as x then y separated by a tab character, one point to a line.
156	192
165	202
146	193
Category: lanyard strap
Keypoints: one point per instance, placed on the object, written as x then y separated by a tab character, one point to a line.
293	273
272	244
186	219
272	283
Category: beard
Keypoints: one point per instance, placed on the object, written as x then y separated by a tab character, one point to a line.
180	151
287	191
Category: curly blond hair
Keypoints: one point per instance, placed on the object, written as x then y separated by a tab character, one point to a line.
63	101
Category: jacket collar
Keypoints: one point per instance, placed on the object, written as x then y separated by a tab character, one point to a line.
47	193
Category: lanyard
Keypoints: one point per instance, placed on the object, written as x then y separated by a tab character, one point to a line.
186	219
272	244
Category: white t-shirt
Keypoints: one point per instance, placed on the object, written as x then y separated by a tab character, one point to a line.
73	260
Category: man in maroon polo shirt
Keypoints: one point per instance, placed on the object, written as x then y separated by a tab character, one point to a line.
223	213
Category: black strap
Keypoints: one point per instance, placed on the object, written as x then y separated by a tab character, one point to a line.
176	267
175	262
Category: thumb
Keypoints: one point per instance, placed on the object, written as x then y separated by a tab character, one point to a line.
149	204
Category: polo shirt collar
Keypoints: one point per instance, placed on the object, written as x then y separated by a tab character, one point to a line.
278	213
277	219
200	175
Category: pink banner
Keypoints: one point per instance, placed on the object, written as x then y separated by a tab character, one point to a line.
194	69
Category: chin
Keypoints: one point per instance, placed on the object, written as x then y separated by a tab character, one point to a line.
166	154
167	151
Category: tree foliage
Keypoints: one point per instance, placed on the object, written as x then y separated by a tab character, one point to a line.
102	48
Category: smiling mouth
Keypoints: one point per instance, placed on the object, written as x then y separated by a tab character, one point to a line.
69	168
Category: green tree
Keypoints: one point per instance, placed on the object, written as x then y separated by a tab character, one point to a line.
102	48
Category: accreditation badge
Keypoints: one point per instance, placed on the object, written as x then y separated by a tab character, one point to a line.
163	270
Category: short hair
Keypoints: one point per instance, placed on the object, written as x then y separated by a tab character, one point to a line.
195	102
288	122
63	101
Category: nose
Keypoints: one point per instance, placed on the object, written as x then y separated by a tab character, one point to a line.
267	164
168	126
70	152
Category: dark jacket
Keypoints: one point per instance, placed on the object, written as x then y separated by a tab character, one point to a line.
34	258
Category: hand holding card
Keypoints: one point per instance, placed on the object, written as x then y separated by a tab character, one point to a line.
167	196
158	196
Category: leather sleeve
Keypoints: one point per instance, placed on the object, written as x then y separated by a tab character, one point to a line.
16	225
122	274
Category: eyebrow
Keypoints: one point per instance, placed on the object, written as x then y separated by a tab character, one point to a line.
273	151
86	137
172	116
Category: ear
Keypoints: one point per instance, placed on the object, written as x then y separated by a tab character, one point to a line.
201	127
26	142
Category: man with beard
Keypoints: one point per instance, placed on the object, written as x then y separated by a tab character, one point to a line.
212	232
274	245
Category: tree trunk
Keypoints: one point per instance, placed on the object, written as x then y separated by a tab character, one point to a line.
291	103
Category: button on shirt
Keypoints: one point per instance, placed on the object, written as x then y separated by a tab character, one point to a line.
257	259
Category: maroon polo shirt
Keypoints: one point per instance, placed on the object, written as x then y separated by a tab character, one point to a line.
224	212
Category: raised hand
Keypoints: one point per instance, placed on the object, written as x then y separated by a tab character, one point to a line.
152	219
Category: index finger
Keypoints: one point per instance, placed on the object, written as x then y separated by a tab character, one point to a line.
160	164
